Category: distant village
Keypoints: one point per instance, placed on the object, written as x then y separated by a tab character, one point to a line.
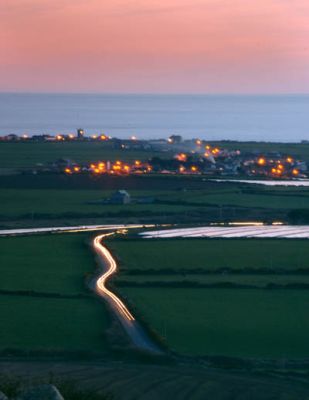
185	157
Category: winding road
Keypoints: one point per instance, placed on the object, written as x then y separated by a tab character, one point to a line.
138	336
135	331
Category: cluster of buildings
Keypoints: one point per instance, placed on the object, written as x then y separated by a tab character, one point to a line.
212	161
275	166
107	167
80	136
187	157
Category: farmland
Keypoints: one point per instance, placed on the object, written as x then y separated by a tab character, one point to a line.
214	299
28	154
164	199
185	255
238	323
220	297
18	202
43	294
52	325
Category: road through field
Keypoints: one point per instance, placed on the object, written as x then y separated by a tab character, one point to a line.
136	333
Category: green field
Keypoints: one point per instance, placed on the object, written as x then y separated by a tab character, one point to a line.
42	285
181	255
52	325
18	202
223	297
44	300
260	200
212	202
51	263
241	195
242	323
23	154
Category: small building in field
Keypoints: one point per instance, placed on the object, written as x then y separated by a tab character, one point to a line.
120	197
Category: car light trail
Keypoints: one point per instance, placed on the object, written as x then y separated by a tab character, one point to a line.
71	229
246	231
112	268
299	182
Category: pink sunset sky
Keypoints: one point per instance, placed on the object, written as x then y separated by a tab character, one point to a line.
167	46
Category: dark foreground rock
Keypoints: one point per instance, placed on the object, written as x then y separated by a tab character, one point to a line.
46	392
3	396
154	380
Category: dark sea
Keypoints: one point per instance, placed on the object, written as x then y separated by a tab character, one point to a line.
233	117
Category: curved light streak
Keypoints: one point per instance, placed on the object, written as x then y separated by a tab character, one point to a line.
112	268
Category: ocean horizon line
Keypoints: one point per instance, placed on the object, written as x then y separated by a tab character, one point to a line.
219	94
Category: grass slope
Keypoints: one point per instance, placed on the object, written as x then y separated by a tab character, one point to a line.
212	254
49	325
245	323
58	202
51	264
235	321
212	201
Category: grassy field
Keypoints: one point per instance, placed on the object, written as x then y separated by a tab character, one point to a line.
213	201
253	323
212	254
63	315
16	202
52	325
241	323
227	297
23	154
51	263
241	195
260	200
